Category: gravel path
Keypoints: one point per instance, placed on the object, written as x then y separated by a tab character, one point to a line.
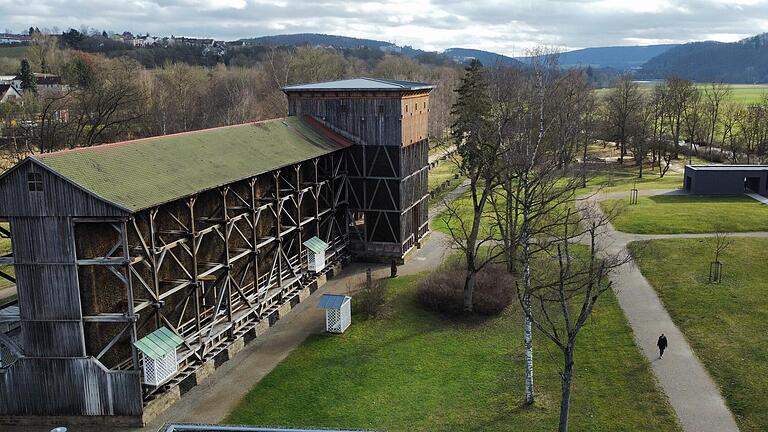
692	393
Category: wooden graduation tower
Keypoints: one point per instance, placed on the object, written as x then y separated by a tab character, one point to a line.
388	163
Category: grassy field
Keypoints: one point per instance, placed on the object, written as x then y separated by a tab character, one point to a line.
14	52
415	371
670	214
444	171
726	323
625	181
605	182
740	93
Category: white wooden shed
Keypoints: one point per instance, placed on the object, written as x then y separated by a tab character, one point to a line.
338	312
158	351
315	254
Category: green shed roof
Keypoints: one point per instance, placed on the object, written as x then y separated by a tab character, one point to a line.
316	245
144	173
158	343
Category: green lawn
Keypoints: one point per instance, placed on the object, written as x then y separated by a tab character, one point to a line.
14	52
669	214
445	170
726	323
740	93
619	182
415	371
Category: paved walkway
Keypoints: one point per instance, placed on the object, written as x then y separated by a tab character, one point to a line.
757	197
692	393
440	153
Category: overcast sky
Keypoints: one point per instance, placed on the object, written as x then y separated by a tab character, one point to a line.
508	27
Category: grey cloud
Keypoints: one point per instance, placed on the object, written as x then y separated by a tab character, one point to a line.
503	26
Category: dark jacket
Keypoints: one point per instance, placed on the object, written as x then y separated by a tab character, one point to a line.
662	343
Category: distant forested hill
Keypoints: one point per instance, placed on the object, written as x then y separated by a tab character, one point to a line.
619	58
347	43
615	57
745	61
486	57
318	39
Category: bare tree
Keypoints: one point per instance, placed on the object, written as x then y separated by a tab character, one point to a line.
715	95
106	99
624	106
720	243
680	92
538	188
728	119
563	303
694	122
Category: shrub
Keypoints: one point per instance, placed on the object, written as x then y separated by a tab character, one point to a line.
368	300
443	291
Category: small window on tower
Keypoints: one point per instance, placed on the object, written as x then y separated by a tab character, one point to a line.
406	107
381	109
35	182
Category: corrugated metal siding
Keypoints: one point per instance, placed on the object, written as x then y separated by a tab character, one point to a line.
48	292
68	387
52	338
38	240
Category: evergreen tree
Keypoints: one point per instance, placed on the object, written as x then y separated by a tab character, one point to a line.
27	77
472	114
474	134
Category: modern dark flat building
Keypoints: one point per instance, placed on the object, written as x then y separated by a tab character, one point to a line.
726	179
141	266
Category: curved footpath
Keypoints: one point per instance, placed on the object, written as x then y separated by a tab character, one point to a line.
692	393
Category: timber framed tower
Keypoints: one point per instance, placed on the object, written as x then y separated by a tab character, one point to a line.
388	164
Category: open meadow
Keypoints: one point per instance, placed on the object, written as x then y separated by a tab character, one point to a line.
412	370
13	52
740	93
726	323
672	214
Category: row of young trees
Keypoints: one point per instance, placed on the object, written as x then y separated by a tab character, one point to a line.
112	99
652	126
518	134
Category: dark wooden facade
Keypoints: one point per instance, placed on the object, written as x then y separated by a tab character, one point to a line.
388	165
93	277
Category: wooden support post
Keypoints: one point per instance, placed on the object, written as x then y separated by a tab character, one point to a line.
198	288
153	262
228	226
299	199
278	229
129	294
254	238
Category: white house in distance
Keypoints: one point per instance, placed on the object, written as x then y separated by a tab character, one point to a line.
42	80
8	92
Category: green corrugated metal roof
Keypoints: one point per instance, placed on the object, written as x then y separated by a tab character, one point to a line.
144	173
316	245
158	343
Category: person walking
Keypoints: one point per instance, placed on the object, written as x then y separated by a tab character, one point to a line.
662	344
